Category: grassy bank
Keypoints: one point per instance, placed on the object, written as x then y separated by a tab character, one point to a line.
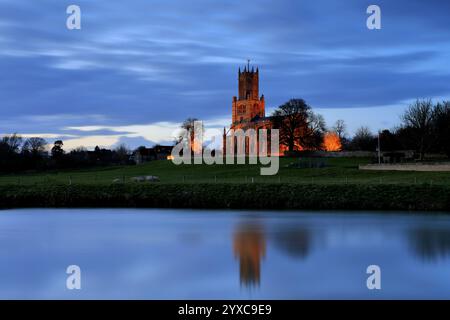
292	171
236	196
306	184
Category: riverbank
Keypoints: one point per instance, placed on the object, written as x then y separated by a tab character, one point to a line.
424	197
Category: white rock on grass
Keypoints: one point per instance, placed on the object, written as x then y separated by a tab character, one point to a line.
145	178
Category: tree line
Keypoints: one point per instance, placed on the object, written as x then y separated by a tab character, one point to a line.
18	154
424	128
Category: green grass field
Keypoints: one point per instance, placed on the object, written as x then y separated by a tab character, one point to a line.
334	171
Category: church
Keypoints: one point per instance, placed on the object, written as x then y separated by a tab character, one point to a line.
248	108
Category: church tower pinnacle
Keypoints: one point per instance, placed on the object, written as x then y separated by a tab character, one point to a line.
248	105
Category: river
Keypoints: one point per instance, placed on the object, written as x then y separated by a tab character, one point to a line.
222	254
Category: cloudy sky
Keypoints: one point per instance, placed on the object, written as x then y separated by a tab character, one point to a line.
137	68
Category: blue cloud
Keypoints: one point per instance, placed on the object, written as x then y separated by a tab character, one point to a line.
143	62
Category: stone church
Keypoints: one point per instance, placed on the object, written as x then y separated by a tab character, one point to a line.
248	108
248	112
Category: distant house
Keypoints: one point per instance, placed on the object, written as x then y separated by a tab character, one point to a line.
162	152
143	154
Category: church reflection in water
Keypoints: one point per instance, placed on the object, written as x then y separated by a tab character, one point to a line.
250	241
249	245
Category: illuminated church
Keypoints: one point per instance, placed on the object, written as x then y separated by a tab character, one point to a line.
248	112
248	109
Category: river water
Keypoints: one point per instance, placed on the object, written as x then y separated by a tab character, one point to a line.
223	254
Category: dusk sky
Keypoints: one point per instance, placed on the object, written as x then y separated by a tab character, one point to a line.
137	68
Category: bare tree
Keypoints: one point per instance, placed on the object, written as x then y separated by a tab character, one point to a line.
363	132
34	145
189	126
340	128
79	149
419	117
288	118
441	130
363	139
313	131
122	153
12	142
298	125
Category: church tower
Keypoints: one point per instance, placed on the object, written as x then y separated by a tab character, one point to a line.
248	106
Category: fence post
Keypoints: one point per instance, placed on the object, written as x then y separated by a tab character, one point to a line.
70	180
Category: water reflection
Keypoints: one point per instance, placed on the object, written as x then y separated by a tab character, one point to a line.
249	244
250	248
184	254
294	241
430	244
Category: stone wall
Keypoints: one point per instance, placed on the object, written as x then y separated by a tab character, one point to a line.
334	154
407	167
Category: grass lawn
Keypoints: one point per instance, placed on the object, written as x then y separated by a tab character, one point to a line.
331	171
